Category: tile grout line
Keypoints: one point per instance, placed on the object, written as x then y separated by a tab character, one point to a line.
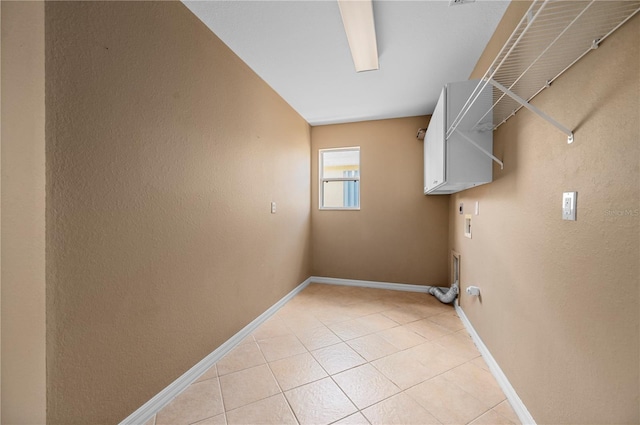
346	341
347	396
367	362
451	332
276	379
435	376
484	413
224	408
362	318
329	374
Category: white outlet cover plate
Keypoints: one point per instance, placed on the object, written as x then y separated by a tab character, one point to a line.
569	203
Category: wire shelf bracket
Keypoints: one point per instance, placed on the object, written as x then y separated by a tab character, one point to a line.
551	37
533	109
480	148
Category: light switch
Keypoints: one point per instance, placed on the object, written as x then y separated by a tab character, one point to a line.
477	207
273	208
569	205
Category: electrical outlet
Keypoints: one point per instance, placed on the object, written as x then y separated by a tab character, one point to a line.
569	203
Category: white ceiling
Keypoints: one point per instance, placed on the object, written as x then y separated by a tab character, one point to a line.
300	49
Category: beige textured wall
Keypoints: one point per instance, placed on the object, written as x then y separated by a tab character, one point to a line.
164	151
560	302
399	235
23	214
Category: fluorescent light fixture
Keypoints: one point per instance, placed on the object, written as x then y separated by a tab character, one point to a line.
357	18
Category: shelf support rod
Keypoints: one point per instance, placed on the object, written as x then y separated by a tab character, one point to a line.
480	148
529	17
533	109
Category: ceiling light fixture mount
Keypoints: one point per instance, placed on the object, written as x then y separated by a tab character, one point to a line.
357	18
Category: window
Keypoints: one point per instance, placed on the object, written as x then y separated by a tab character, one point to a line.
340	178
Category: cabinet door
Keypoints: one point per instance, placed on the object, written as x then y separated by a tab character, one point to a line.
434	147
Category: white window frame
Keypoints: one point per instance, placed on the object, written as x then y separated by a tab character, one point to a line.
323	179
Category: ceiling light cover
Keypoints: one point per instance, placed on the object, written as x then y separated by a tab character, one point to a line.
357	18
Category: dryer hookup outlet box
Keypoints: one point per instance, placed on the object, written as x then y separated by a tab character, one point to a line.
467	226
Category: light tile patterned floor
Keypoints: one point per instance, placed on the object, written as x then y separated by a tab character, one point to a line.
346	355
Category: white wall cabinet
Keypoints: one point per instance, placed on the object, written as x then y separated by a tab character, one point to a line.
454	164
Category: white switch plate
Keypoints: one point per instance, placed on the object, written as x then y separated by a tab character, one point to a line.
477	207
273	208
569	205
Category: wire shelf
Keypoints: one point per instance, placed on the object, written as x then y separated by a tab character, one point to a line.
550	38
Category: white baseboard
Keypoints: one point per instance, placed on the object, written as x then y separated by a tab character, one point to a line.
516	403
370	284
153	406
